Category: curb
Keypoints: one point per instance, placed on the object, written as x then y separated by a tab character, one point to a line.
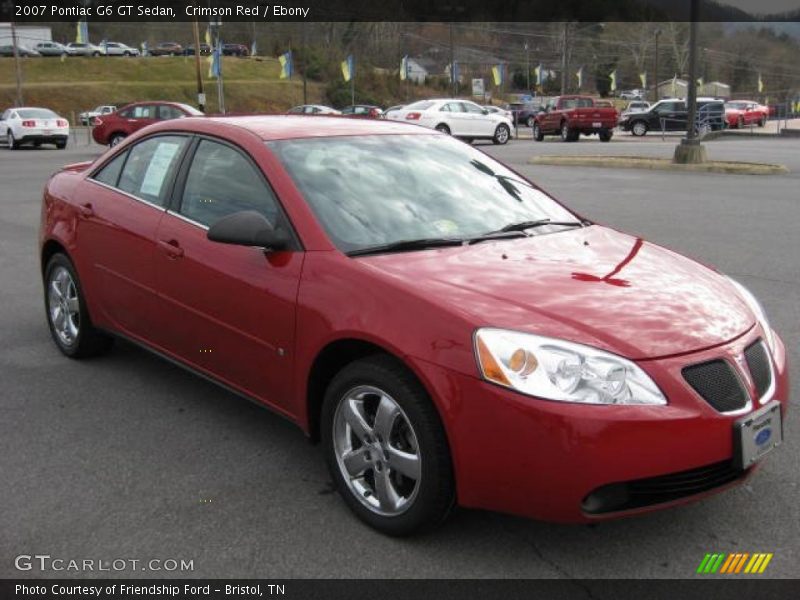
660	164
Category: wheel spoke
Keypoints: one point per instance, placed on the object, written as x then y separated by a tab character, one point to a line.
354	415
385	417
384	490
71	328
58	318
55	289
356	461
404	462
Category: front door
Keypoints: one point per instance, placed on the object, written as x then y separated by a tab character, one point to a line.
229	310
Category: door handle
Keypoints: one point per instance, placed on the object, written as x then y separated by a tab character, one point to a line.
171	248
86	209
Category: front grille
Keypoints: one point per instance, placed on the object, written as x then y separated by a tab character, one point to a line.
717	383
758	363
639	493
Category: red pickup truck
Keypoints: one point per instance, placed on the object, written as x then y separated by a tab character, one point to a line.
571	116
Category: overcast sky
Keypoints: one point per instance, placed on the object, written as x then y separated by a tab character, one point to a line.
764	6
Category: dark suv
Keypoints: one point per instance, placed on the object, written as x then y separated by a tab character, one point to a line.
524	112
672	115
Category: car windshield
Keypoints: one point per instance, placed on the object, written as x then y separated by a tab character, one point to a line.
568	103
36	113
375	190
736	105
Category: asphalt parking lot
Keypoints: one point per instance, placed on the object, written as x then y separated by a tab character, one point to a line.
128	456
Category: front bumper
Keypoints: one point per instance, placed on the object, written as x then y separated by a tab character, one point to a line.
543	459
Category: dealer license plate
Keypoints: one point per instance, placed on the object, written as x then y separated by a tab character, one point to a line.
757	434
597	124
47	131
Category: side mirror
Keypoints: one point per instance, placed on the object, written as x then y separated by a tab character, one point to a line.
247	228
485	111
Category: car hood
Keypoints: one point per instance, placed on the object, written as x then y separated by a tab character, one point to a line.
594	286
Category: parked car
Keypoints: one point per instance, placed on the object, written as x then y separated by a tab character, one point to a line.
741	113
88	117
204	49
448	331
460	118
524	113
392	109
23	51
83	49
573	116
632	95
313	109
672	115
364	111
167	49
35	126
50	49
111	129
118	49
235	50
636	106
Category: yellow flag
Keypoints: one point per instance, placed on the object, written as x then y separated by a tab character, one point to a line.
760	84
643	79
613	77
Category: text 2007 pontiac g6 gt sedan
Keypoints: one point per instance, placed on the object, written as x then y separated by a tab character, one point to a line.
449	331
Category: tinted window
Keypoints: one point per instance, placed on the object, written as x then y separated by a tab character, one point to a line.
472	108
144	111
569	103
109	174
149	166
454	107
222	181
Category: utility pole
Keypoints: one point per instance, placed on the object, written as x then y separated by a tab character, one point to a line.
690	150
452	64
527	68
305	63
17	65
217	25
657	33
564	58
201	96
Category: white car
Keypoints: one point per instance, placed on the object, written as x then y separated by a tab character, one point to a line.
118	49
459	118
37	126
313	109
83	49
89	116
496	110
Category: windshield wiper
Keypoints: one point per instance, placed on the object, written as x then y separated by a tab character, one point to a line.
406	245
524	225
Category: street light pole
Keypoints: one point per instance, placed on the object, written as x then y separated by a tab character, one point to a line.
17	65
527	68
201	96
564	58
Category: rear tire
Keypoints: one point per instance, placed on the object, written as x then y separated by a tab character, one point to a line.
442	128
605	135
399	421
12	143
740	123
67	314
538	135
61	145
530	122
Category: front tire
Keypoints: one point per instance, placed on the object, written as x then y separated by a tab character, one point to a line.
386	447
67	314
538	134
501	135
530	122
639	128
115	139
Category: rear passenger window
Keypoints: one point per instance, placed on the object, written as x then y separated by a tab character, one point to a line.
149	166
222	181
109	174
169	112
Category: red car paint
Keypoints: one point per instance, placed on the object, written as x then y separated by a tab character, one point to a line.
269	317
743	113
126	121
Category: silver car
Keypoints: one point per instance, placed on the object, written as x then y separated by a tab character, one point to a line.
50	49
83	49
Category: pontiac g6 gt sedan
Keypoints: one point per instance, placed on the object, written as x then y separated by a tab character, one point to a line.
447	330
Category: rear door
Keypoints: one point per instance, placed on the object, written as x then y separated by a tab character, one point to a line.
139	116
479	124
456	117
229	310
122	205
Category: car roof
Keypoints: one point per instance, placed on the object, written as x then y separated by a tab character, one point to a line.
285	127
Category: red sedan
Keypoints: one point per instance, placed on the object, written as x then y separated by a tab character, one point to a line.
743	113
111	129
448	330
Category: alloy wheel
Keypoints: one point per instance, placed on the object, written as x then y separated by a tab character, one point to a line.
639	128
64	306
377	450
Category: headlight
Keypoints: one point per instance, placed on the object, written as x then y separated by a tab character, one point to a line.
758	310
560	370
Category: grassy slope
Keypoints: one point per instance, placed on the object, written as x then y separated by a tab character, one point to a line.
79	83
